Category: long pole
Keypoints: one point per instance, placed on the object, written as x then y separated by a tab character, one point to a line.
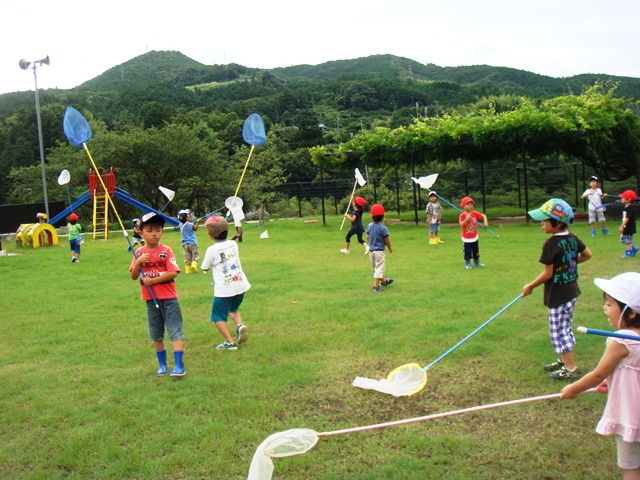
44	179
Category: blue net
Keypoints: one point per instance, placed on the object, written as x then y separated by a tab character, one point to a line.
76	127
253	130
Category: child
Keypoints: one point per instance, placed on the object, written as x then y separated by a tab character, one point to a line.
434	217
160	269
356	225
469	223
189	241
229	282
561	255
596	207
137	239
75	239
238	220
628	227
378	238
618	372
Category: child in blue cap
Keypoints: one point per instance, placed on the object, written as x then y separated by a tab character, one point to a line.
561	255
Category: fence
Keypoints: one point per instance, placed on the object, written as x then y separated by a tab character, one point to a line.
522	187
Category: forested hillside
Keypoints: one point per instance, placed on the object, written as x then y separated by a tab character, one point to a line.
160	97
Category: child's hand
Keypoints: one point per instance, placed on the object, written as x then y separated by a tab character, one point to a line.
567	393
143	258
527	290
621	229
603	387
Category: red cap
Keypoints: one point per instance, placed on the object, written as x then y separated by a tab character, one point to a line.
361	202
73	217
629	195
466	200
376	210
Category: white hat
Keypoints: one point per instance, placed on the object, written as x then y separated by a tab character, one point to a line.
624	287
186	210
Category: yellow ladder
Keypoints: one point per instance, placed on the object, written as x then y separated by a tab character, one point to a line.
100	215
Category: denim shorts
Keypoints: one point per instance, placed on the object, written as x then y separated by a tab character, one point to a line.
434	228
223	305
74	245
168	317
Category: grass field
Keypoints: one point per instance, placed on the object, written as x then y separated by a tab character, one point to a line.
80	398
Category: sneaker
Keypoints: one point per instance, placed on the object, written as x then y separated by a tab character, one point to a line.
564	374
377	289
366	251
241	334
73	259
227	346
345	251
386	281
552	367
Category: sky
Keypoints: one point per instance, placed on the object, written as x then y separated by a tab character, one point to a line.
83	39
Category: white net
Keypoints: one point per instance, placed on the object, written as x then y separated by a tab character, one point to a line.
282	444
401	382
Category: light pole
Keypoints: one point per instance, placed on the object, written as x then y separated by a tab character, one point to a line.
24	64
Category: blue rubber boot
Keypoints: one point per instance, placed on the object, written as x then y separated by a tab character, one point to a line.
178	370
634	250
162	361
593	233
605	231
477	262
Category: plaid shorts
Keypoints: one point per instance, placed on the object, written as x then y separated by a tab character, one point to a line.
626	239
560	323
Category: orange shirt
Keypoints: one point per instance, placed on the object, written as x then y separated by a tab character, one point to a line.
161	260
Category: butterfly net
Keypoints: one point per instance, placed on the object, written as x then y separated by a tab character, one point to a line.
253	130
282	444
401	382
76	127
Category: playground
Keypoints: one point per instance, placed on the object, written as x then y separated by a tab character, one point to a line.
84	400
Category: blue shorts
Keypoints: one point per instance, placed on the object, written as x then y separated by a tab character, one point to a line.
168	317
74	245
223	305
434	228
560	326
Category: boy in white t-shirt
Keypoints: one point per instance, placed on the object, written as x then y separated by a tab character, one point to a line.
596	207
229	282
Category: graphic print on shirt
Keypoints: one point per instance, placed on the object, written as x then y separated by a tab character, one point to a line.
567	271
229	266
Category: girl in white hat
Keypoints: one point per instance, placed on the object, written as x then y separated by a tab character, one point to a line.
618	372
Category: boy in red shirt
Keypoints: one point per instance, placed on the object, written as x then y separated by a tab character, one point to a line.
160	268
469	223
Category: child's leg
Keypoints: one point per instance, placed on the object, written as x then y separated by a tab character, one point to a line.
628	458
222	328
187	258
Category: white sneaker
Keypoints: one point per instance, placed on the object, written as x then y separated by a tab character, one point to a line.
241	333
344	250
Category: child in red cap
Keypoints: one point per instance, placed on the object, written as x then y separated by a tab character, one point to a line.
378	238
469	223
75	239
628	227
356	225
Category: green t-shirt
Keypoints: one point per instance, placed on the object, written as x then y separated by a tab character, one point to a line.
74	231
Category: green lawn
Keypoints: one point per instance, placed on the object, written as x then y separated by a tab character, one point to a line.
80	398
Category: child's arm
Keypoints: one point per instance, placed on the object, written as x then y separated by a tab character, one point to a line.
135	271
351	218
612	355
195	225
625	220
485	220
546	274
584	255
387	242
